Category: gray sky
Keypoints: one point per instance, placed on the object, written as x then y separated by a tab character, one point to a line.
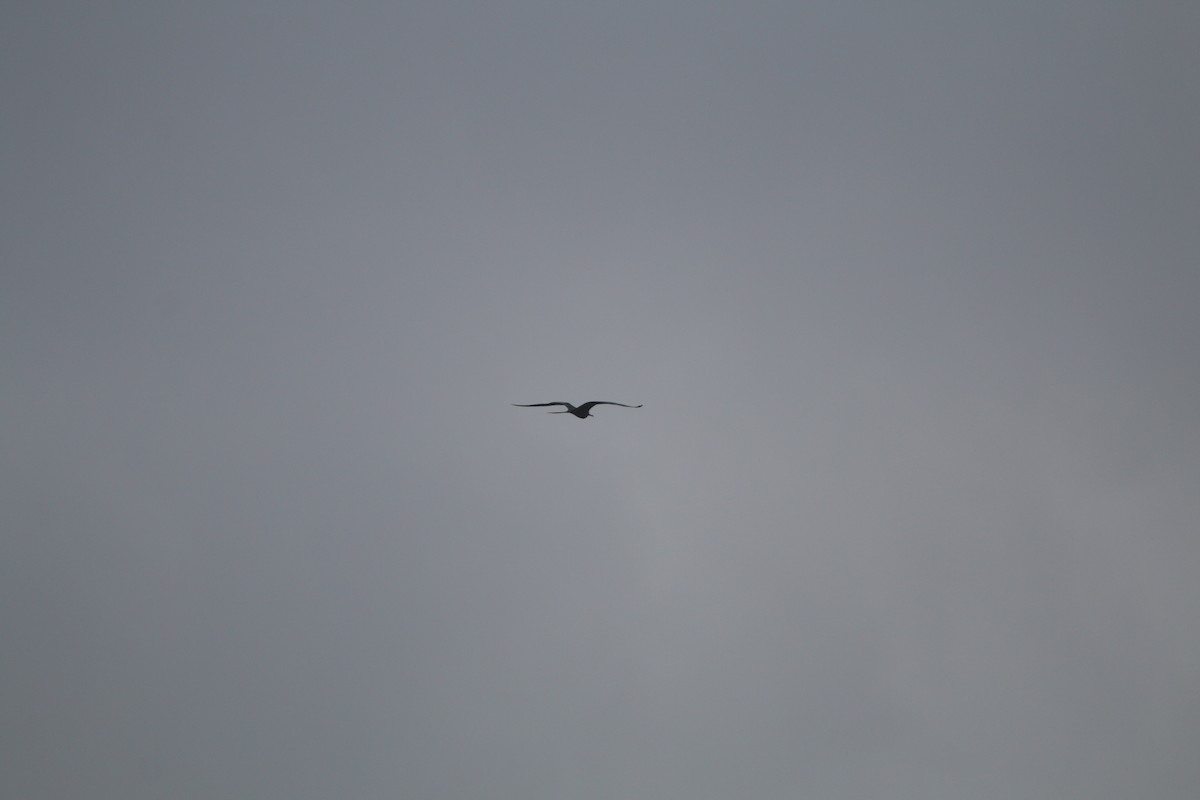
908	291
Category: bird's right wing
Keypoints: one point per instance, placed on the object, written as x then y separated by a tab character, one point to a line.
535	405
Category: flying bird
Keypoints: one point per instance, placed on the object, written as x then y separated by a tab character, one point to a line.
583	411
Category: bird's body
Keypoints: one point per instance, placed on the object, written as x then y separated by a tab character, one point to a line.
582	411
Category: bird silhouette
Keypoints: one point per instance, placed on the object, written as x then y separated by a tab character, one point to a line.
583	411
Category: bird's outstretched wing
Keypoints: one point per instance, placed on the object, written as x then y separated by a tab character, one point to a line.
587	406
535	405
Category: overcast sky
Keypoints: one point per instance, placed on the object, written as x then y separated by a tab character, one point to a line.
909	292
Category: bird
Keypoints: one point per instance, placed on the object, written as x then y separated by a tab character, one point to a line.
583	411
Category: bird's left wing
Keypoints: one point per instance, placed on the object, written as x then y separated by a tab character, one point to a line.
586	406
